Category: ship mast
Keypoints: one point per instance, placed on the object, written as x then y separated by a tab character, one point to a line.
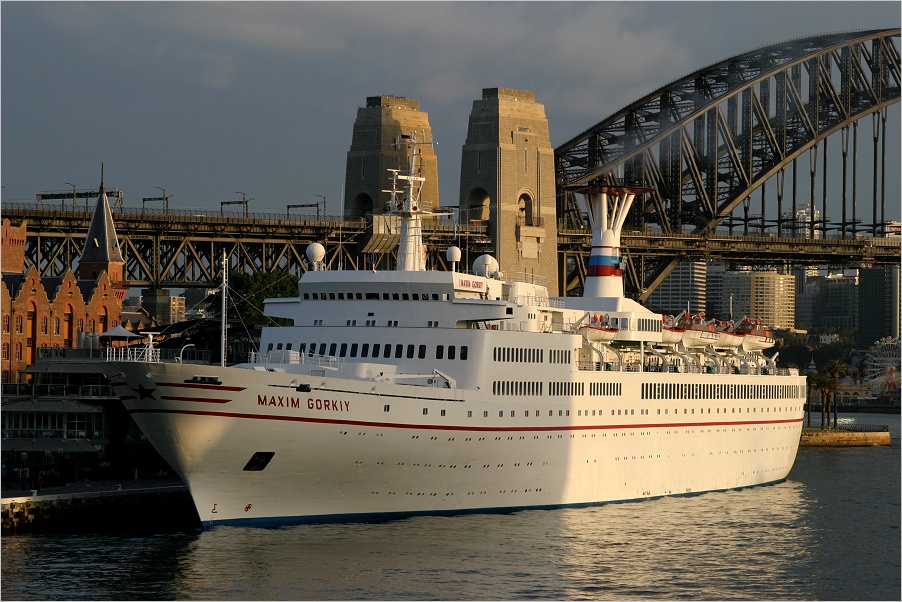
411	255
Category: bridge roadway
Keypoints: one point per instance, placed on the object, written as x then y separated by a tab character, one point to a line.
183	248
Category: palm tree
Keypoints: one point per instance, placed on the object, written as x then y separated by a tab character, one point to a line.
838	369
827	385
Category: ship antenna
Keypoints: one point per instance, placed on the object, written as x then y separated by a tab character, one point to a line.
411	257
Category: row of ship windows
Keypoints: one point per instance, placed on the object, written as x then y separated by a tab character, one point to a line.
376	350
527	387
530	355
719	391
621	412
377	296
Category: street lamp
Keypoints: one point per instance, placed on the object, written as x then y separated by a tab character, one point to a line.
73	195
165	200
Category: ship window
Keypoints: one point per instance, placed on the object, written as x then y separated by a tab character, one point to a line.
365	350
399	351
332	296
359	296
509	311
415	296
452	352
259	461
387	352
269	347
332	348
306	295
341	296
512	413
443	412
385	408
394	296
410	351
422	352
354	349
405	297
288	347
463	352
469	413
485	414
425	411
440	352
435	296
372	296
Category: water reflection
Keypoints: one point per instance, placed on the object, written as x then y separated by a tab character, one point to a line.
726	545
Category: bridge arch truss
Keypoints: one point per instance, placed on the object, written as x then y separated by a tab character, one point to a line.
706	142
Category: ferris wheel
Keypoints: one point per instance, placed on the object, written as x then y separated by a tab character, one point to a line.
882	366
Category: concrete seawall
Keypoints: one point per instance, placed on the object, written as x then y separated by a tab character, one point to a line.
819	438
105	506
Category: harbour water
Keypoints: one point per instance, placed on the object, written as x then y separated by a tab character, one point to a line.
830	531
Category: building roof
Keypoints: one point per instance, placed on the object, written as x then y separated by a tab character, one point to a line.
101	244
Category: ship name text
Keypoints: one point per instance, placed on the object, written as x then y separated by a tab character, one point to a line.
279	401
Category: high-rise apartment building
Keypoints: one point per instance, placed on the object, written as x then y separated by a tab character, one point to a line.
683	290
766	295
878	304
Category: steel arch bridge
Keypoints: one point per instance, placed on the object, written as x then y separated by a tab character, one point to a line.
706	142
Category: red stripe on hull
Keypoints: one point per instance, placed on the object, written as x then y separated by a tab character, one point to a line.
436	427
198	386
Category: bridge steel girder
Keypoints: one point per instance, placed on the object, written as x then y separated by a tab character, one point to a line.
182	249
705	142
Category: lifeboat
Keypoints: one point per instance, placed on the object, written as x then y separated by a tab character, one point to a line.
598	330
756	336
671	332
697	332
727	336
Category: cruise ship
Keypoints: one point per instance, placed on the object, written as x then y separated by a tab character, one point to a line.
415	391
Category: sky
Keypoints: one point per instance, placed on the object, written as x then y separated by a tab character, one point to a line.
210	99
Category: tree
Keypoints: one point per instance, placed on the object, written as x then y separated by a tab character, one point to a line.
827	385
837	369
247	292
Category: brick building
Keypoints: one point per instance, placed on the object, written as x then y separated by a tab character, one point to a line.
54	311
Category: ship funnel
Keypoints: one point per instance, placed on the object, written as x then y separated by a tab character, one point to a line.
608	208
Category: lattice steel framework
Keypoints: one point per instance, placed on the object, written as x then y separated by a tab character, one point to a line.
705	142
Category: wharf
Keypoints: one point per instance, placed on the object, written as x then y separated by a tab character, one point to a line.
817	437
100	506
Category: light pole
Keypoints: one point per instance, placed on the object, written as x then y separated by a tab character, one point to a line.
73	195
165	200
325	213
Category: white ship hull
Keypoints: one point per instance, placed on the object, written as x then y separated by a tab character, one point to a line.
352	450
